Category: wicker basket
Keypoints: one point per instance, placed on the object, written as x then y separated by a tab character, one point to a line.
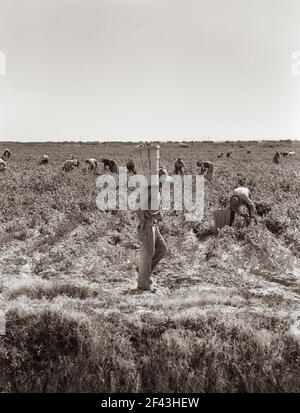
146	161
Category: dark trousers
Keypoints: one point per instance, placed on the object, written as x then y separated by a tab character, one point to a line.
154	249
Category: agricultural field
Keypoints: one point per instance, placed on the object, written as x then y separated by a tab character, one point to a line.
225	316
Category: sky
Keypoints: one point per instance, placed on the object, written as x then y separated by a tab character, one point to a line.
149	69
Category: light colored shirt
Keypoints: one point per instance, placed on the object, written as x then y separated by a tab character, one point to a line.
242	191
241	196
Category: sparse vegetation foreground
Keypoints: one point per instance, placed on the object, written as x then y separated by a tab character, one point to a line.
226	313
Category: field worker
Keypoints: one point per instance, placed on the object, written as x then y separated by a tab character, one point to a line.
92	164
220	155
70	164
130	167
179	167
44	160
6	155
163	176
277	157
110	165
207	169
154	247
162	172
239	198
229	154
3	165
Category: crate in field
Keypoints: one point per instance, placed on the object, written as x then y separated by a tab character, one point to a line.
146	161
222	218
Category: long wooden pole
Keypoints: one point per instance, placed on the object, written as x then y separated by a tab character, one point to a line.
157	160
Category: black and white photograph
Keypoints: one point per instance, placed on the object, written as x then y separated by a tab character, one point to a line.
149	199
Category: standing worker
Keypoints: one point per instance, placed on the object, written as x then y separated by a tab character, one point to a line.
154	247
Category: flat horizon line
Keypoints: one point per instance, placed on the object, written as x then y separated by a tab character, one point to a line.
191	140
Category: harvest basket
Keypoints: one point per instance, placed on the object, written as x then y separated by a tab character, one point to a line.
146	161
222	218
